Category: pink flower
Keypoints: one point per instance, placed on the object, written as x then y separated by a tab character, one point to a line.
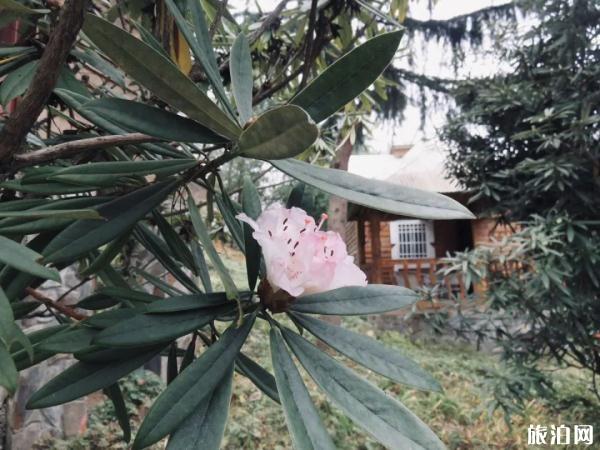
301	259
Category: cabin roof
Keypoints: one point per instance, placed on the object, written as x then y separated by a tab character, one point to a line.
422	167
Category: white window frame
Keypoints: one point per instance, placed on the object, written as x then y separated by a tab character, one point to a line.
414	252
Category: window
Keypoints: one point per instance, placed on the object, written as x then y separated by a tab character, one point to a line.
412	239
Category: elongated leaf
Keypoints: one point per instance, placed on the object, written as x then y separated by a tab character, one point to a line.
158	248
252	208
8	371
233	225
46	188
116	397
209	248
261	378
369	353
60	214
24	259
179	248
120	214
110	296
200	43
282	132
200	262
69	341
380	195
107	255
187	303
7	320
348	76
158	74
149	329
205	427
124	168
135	116
240	69
183	396
84	378
16	7
386	419
93	58
159	284
17	82
356	300
303	421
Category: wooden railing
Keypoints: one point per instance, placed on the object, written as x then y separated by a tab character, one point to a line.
418	273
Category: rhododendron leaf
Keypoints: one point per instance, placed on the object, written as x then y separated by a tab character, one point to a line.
282	132
370	353
200	262
160	250
157	73
303	421
252	208
157	122
380	195
113	392
258	375
84	378
205	427
24	259
356	300
348	76
187	303
210	250
228	211
69	341
240	68
184	395
148	329
8	371
178	247
200	42
120	214
386	419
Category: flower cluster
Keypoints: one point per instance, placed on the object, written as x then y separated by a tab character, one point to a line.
300	258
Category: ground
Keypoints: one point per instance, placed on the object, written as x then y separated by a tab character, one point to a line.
460	415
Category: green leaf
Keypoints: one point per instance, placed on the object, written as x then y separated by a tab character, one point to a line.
386	419
348	76
148	329
24	259
106	256
201	266
94	59
116	397
282	132
187	303
8	371
69	341
200	43
303	421
209	248
16	7
46	188
111	295
17	82
7	320
160	250
261	378
229	211
205	427
84	378
369	353
128	168
183	396
356	300
135	116
251	206
55	214
157	73
240	69
380	195
120	214
178	247
296	196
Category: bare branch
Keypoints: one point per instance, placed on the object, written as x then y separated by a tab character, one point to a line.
66	310
273	15
55	54
68	149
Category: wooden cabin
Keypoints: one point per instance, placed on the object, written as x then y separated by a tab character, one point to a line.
406	251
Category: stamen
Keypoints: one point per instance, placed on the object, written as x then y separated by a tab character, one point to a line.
296	244
285	228
270	234
302	230
285	221
293	253
289	241
324	217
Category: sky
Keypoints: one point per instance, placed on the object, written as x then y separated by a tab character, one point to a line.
431	63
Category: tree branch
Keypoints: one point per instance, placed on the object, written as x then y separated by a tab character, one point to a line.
66	310
67	149
273	15
55	54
